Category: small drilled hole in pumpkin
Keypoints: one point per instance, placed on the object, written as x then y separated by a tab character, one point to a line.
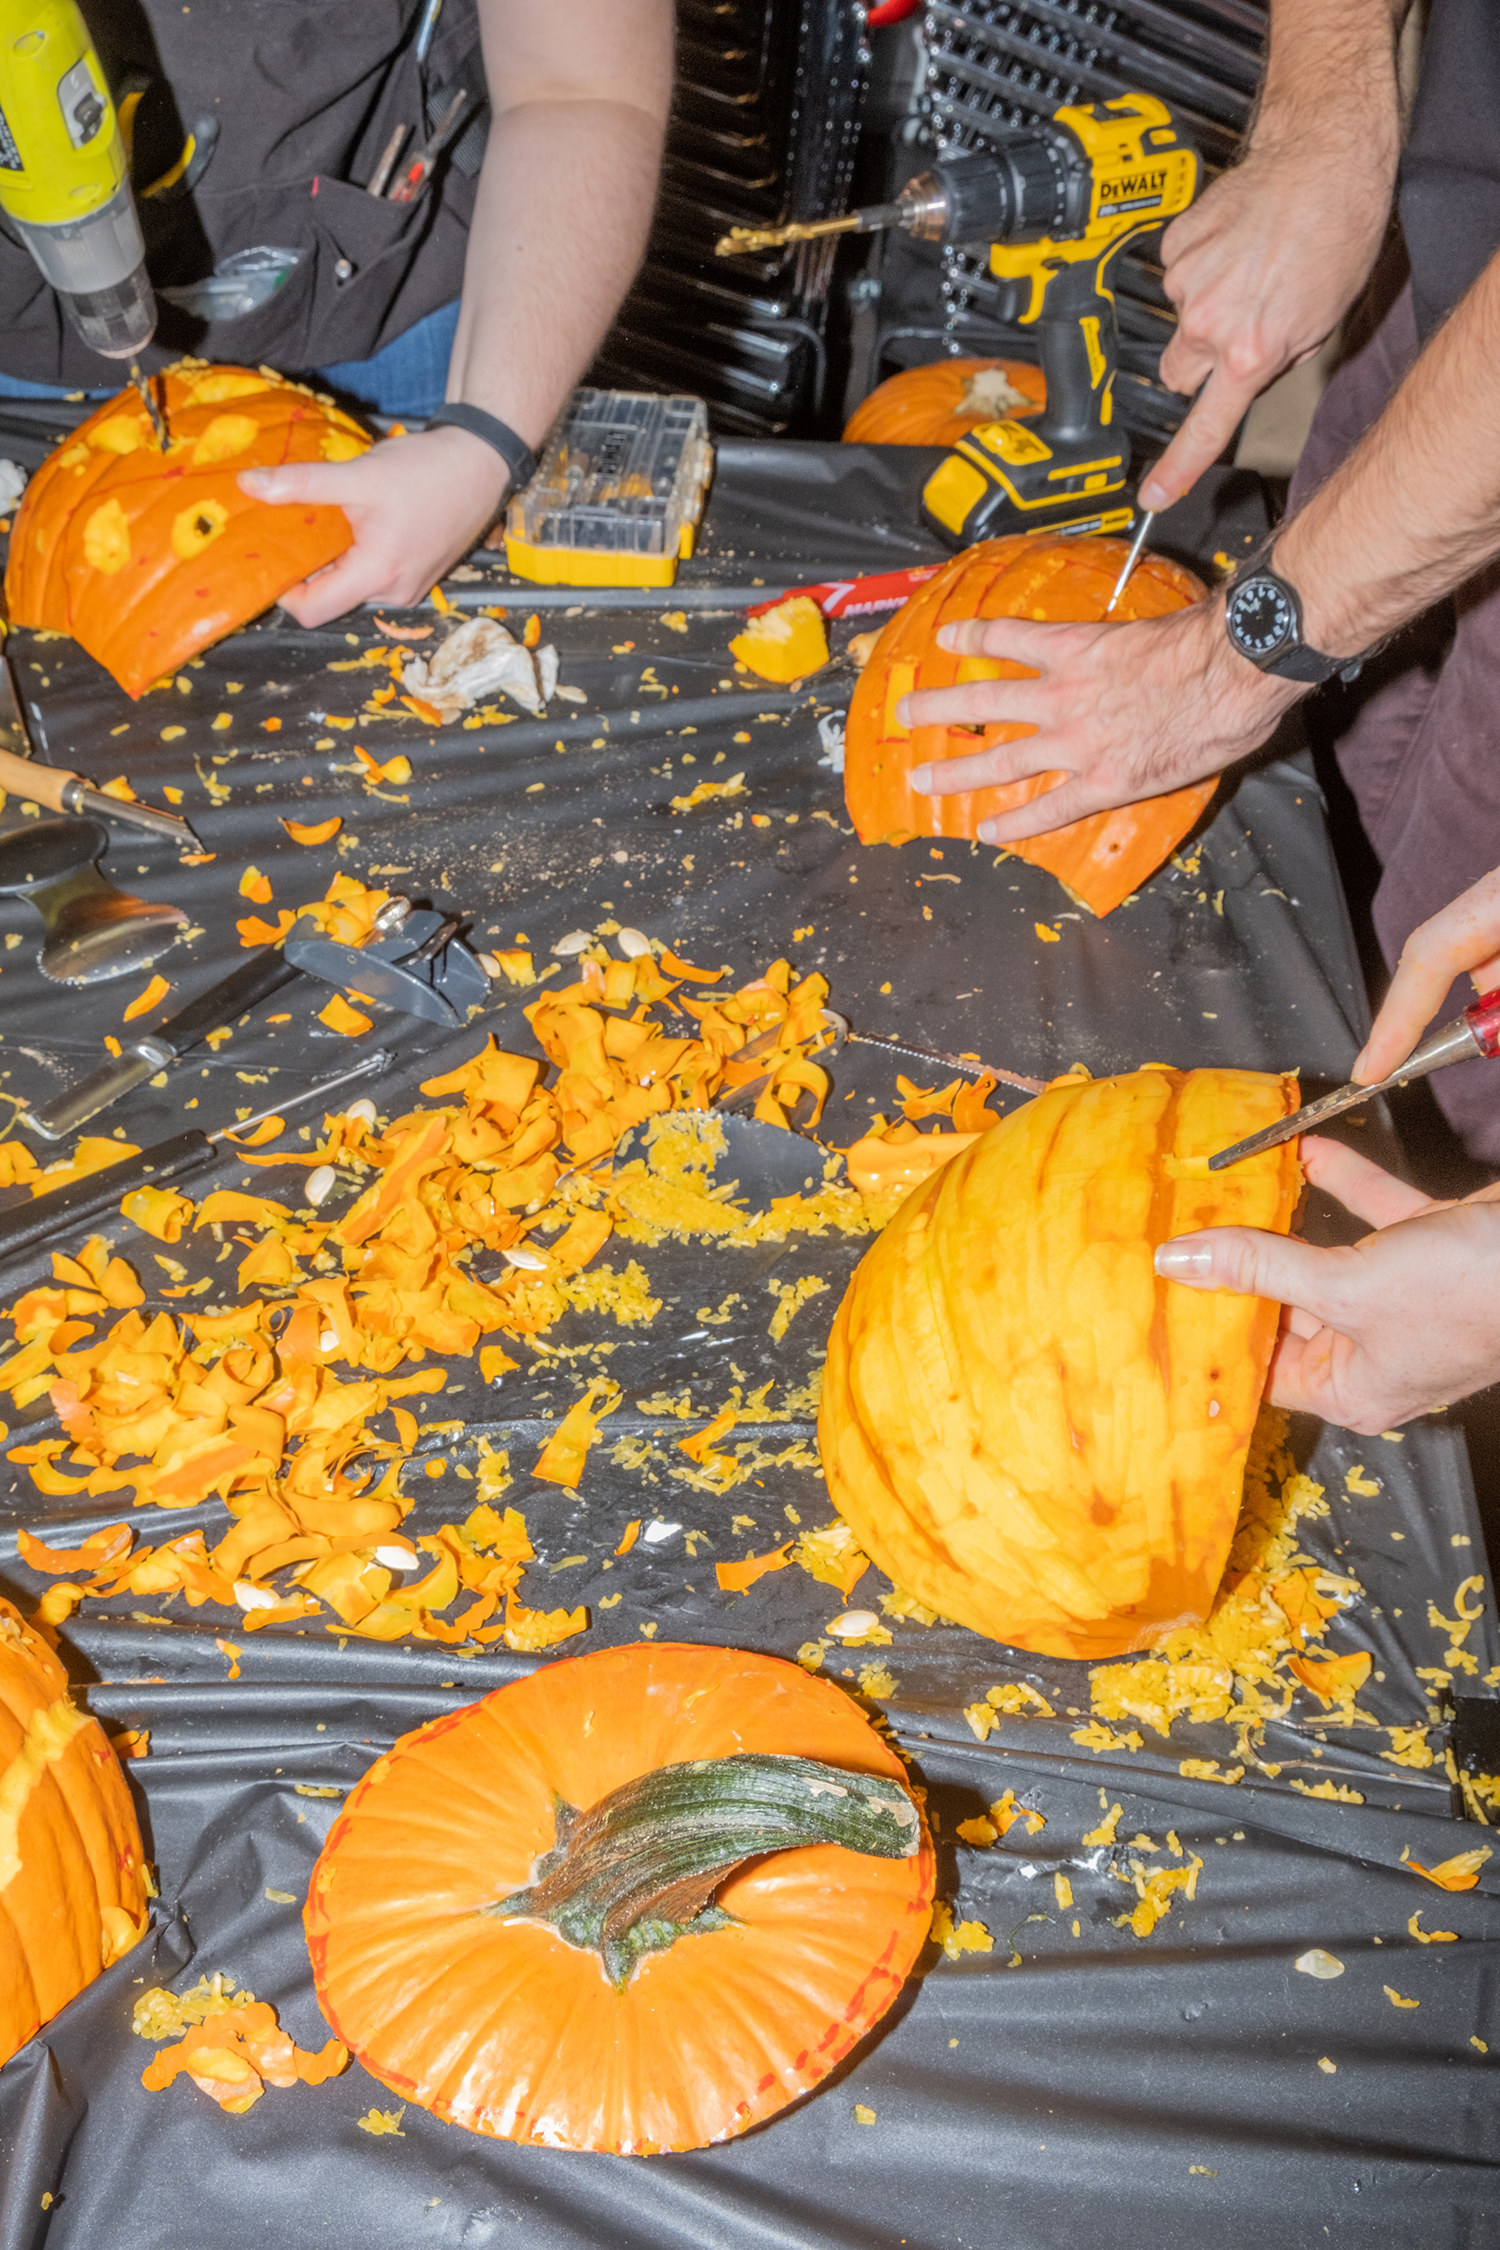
197	526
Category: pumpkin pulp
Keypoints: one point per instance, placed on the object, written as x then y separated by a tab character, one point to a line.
637	1870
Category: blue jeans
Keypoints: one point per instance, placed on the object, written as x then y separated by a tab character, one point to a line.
409	376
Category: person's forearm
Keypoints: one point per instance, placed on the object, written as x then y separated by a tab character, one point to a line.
563	209
1330	73
1415	509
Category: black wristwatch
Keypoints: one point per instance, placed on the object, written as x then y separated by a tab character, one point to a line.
1263	619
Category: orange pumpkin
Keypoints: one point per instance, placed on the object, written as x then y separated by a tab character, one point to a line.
147	557
510	1923
1021	1422
1101	859
72	1870
940	403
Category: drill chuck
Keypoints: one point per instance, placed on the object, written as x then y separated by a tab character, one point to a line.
1033	185
97	265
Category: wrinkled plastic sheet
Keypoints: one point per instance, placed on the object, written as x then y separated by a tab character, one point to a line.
1169	2084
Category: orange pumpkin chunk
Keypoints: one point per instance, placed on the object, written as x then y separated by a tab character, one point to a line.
1101	859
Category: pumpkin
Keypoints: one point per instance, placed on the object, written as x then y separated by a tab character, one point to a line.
1100	859
1022	1424
535	1916
941	402
72	1870
147	557
784	643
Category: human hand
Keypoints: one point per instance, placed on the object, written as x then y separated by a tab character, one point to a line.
1261	269
415	504
1465	936
1120	711
1350	1349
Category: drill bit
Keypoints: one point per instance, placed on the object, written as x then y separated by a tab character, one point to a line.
741	241
158	420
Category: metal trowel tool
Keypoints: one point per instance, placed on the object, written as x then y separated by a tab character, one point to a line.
92	930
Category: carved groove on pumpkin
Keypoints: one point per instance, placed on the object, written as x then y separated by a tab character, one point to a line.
636	1871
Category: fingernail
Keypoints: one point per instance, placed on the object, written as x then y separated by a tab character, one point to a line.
255	480
987	832
903	713
945	636
1184	1260
920	779
1358	1064
1154	497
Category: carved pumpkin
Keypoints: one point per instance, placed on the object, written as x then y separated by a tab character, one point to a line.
940	403
72	1871
1022	1424
1101	859
147	557
533	1916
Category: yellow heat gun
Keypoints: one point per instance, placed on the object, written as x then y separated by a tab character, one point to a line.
1055	202
65	176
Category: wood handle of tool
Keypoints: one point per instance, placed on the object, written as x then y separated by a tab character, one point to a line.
22	778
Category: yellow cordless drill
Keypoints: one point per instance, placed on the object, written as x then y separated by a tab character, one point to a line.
65	178
1055	202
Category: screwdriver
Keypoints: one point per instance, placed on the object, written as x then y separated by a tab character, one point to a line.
1475	1032
49	1216
1134	556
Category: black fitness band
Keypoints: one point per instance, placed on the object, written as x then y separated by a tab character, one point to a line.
491	431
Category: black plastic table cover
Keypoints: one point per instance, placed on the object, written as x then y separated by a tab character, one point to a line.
1075	2078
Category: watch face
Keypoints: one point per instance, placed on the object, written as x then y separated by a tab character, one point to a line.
1261	618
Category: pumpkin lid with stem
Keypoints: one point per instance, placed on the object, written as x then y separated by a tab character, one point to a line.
638	1901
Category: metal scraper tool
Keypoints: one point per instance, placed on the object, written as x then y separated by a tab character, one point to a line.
92	930
1475	1032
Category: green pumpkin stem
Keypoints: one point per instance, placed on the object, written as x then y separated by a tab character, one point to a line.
638	1870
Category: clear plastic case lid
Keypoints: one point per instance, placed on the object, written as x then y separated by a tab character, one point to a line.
625	472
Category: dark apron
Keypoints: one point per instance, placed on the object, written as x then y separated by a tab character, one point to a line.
288	104
1450	170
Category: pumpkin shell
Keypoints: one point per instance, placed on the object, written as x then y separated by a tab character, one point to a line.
941	402
145	557
500	2025
72	1869
1102	858
1023	1425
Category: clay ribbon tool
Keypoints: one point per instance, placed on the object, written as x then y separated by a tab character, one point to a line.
24	776
49	1216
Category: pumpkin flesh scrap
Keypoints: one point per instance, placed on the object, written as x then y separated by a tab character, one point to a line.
1025	1427
1102	858
499	2024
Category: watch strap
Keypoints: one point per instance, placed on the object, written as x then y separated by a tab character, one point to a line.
512	448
